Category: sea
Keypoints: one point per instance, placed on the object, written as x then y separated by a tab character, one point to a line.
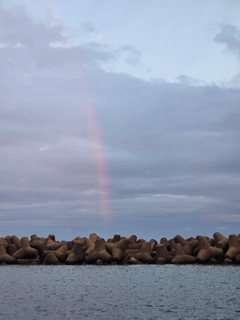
120	292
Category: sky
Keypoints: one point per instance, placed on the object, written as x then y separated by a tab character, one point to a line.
119	117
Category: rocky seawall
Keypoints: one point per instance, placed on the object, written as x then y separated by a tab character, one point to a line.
120	250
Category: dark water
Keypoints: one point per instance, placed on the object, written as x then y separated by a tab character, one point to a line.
120	292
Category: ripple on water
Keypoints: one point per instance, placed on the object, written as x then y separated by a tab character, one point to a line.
110	292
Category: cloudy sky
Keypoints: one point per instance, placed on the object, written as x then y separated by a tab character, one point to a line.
119	117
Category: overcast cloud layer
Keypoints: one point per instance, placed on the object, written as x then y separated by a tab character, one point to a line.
83	149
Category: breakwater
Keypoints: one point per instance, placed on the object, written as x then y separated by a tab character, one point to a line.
120	250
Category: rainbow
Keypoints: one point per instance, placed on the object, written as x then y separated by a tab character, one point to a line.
92	123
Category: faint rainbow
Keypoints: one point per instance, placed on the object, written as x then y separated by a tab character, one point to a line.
92	124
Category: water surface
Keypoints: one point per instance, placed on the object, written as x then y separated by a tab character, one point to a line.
120	292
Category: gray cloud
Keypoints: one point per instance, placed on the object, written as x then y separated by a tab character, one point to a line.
88	27
171	149
18	28
188	80
230	36
129	53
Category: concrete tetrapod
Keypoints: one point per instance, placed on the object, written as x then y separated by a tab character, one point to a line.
196	250
46	253
120	250
109	245
76	254
203	254
11	249
206	251
193	244
94	237
52	236
26	251
227	261
99	252
51	259
116	238
52	244
33	237
61	253
234	247
28	261
7	239
163	256
221	241
187	249
15	240
38	244
133	260
4	257
153	244
130	252
237	259
133	244
164	241
180	256
117	249
212	242
144	255
132	239
171	244
90	246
